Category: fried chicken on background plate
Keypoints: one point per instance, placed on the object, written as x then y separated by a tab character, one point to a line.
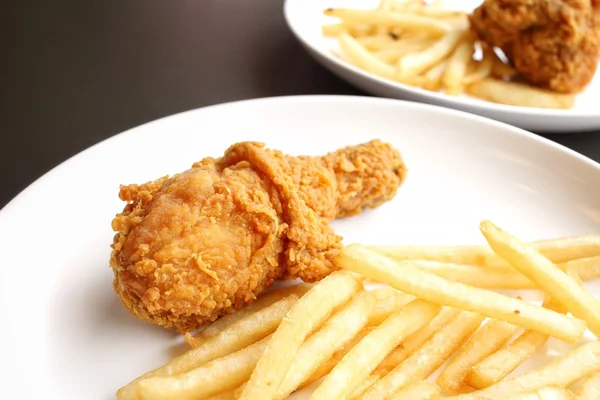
552	43
204	242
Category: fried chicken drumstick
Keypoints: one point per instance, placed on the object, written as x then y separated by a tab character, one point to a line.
204	242
552	43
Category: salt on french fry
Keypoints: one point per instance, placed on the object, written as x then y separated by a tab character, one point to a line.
387	301
415	341
219	375
589	388
422	390
358	364
226	395
327	366
547	276
234	337
412	280
585	268
225	321
504	361
488	278
363	387
558	251
484	342
547	393
428	358
322	299
320	346
562	372
504	278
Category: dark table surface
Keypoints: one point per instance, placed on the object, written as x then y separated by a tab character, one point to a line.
75	73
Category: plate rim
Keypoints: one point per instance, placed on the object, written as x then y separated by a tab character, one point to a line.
309	98
481	106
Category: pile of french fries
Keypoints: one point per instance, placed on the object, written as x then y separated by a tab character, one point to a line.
343	338
422	44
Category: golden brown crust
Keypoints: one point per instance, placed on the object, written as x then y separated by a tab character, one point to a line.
205	242
552	43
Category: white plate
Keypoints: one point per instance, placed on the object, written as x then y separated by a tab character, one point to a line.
305	18
65	335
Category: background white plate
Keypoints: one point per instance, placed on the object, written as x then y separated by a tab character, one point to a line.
305	18
65	335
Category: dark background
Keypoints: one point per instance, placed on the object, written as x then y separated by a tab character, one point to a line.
75	73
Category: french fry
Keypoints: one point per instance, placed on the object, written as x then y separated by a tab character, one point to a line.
411	42
545	274
457	67
386	4
358	364
412	280
308	313
483	68
518	94
363	58
407	21
388	56
589	388
558	251
263	301
433	77
363	387
504	278
487	278
562	372
327	366
585	268
484	342
417	63
225	373
500	364
504	361
255	326
439	12
405	5
391	53
547	393
428	358
415	341
234	337
334	29
374	43
387	301
500	69
319	347
226	395
422	390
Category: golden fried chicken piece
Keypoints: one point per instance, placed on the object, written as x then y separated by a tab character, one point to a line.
206	241
552	43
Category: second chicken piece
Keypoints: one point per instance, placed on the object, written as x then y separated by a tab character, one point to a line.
552	43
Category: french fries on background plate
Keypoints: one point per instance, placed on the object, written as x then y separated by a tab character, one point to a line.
422	44
344	339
